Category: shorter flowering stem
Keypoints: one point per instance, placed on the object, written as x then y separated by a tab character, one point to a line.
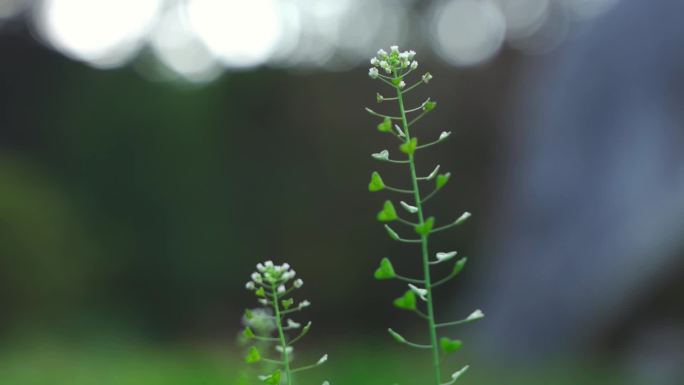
408	223
395	161
281	336
381	115
430	195
410	280
312	366
399	190
412	87
453	323
267	339
270	361
445	279
417	118
421	314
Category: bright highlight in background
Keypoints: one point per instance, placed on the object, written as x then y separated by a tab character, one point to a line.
198	39
240	33
467	32
102	32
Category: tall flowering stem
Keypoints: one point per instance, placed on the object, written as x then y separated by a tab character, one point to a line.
272	285
393	69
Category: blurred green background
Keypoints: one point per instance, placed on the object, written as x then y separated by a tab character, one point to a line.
135	200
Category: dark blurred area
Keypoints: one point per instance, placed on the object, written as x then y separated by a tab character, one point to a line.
146	168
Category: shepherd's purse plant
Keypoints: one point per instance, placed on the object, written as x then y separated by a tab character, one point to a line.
267	328
393	69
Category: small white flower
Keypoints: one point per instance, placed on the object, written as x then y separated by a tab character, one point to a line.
268	263
458	374
325	383
394	48
414	65
441	257
382	155
412	54
250	285
292	324
476	315
304	304
399	131
256	277
404	55
289	275
281	289
382	53
402	84
408	207
373	73
260	267
444	135
374	61
322	360
298	283
286	266
422	293
427	77
464	217
289	349
263	301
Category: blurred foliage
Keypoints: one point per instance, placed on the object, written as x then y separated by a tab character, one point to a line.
120	362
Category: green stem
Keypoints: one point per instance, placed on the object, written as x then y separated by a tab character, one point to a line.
424	246
281	336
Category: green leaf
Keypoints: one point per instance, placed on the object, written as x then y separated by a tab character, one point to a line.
252	355
429	106
460	264
388	213
396	336
376	183
442	179
425	227
409	147
248	333
260	292
385	126
287	303
449	345
386	270
273	378
249	315
393	234
407	301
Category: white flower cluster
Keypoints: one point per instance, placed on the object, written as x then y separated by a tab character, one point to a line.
273	275
389	62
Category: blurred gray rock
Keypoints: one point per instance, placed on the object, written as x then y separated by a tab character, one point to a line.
590	212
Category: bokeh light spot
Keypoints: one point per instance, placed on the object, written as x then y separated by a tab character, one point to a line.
240	33
467	32
104	33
